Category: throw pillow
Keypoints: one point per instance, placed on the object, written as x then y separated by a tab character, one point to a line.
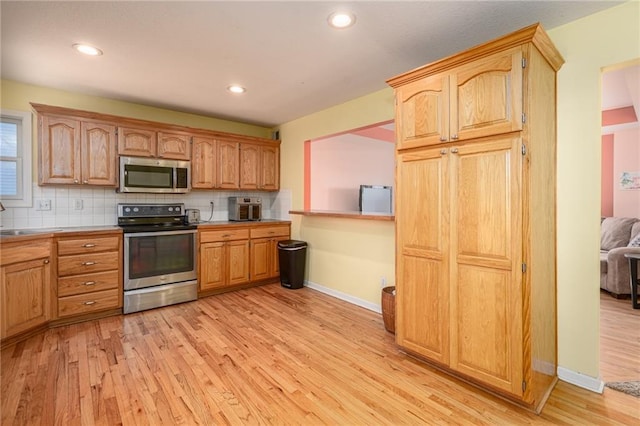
635	242
615	232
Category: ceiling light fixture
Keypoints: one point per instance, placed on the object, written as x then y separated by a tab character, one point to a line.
341	20
235	88
87	50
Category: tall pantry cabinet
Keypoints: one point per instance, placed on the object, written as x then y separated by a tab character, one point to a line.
475	214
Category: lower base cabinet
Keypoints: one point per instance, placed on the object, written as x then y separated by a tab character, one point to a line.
239	254
25	287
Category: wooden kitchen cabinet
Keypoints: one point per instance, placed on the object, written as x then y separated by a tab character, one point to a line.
175	145
25	286
264	251
259	167
475	215
224	258
89	273
137	142
214	164
74	151
469	101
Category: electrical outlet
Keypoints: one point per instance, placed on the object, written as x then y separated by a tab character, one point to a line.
44	205
78	204
383	282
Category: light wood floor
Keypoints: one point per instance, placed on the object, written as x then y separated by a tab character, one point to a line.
619	340
260	356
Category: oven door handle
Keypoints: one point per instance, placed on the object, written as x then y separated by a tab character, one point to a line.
159	233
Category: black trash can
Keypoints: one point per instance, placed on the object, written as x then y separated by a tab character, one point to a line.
292	255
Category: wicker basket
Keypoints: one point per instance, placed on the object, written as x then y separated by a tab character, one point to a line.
389	308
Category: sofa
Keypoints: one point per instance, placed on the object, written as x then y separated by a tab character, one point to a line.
618	236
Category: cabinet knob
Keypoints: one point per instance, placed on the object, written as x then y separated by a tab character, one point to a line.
75	181
85	181
443	139
454	137
454	150
46	261
443	151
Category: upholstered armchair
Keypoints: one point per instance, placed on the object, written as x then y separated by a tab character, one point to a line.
618	236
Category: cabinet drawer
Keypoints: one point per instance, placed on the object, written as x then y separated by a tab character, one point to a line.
87	263
88	245
86	303
224	235
270	231
87	283
25	251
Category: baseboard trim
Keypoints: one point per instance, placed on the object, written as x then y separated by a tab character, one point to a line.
581	380
344	296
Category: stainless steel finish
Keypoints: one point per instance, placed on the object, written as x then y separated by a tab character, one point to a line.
154	162
245	209
442	139
454	137
131	284
454	150
154	297
443	151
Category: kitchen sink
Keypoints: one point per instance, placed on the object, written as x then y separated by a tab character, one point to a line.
12	232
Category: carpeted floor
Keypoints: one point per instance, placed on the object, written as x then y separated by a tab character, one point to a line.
631	388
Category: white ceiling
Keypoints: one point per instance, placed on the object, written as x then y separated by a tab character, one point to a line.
182	55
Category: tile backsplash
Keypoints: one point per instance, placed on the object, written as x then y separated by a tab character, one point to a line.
72	206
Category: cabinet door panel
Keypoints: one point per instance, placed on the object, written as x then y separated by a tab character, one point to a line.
228	165
486	96
422	321
212	265
137	142
174	145
203	163
238	261
25	295
486	282
99	157
270	168
249	166
260	257
60	151
422	112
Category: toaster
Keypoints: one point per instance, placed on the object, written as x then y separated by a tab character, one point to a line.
193	215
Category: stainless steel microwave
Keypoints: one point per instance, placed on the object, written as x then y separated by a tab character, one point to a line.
154	175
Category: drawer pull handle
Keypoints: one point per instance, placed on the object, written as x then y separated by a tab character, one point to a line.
89	283
88	245
91	302
89	263
226	235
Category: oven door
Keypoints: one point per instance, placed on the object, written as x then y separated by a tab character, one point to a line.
156	258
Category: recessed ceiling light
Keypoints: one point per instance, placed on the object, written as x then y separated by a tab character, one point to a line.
87	50
341	19
235	88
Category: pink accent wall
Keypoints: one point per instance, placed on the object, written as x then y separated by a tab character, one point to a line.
626	158
607	176
340	164
619	116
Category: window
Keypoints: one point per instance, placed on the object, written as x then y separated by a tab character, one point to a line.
15	158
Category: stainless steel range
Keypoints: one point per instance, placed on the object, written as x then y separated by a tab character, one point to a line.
160	256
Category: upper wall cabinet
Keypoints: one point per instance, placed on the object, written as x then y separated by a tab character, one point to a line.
137	142
259	167
479	99
82	147
74	151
